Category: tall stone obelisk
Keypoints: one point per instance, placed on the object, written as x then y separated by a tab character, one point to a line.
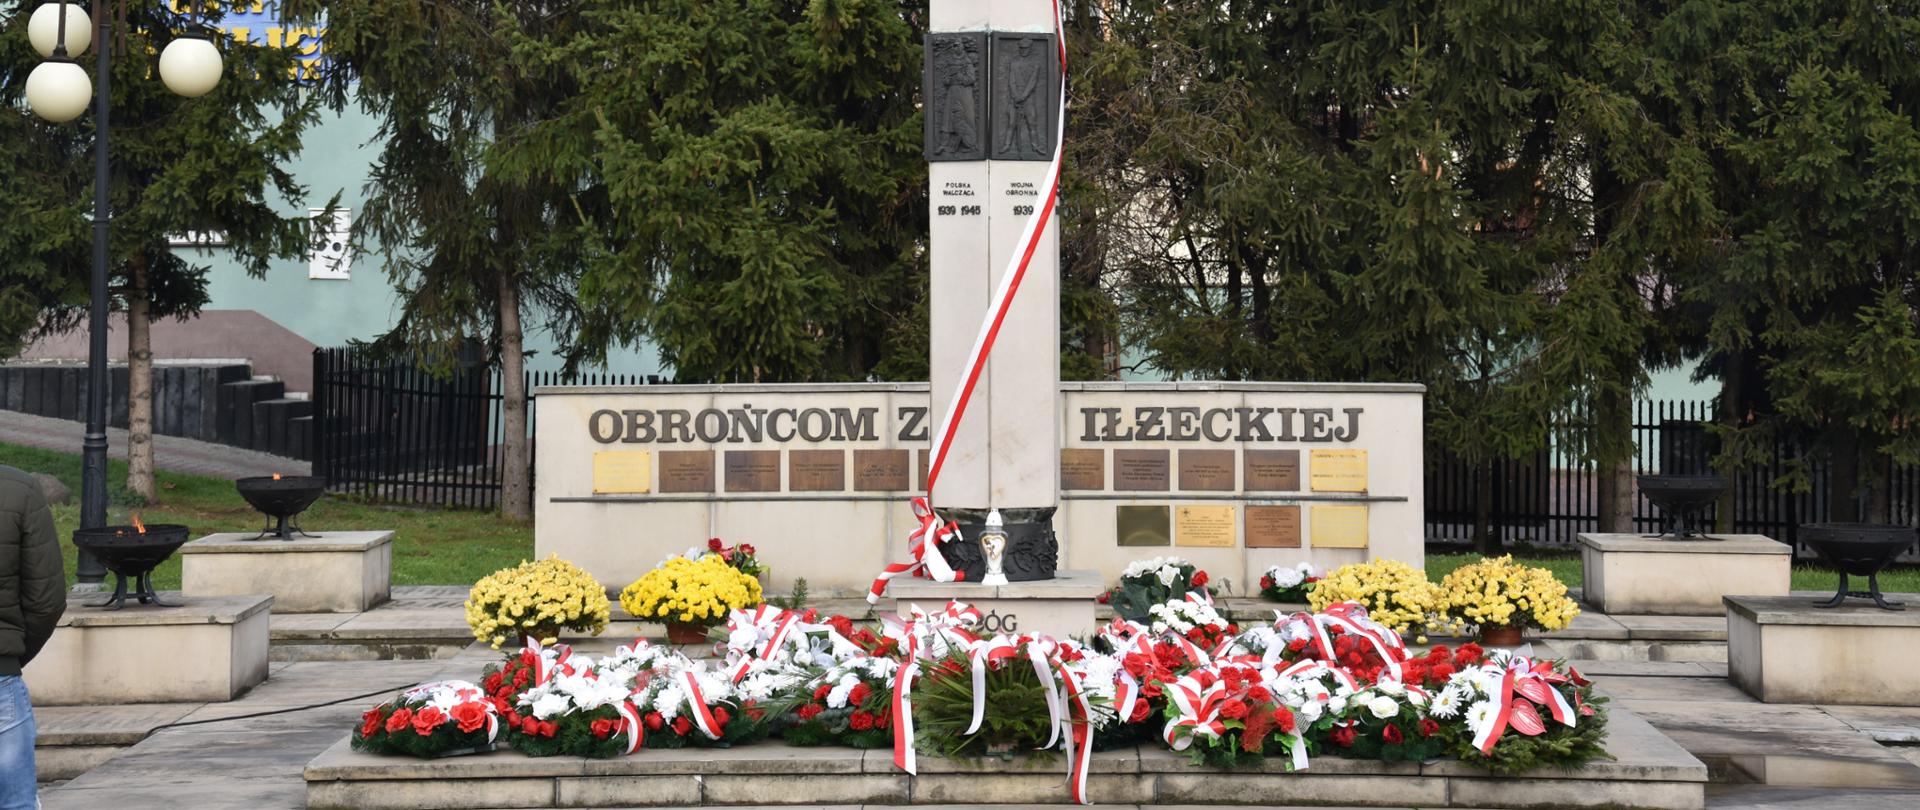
991	100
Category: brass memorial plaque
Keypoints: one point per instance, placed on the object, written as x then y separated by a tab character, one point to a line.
622	472
880	470
1083	469
1141	525
1339	526
1206	470
1204	527
1338	470
752	470
1272	470
686	471
816	471
926	460
1140	470
1270	526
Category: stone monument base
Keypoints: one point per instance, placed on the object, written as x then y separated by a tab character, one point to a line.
1648	772
1783	649
1627	574
211	648
1060	607
330	572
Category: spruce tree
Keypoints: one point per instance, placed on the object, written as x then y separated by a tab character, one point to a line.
212	164
480	232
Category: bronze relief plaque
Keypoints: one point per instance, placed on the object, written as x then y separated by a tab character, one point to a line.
816	470
954	84
1273	470
752	470
1206	470
686	471
879	470
1273	526
1083	469
1140	470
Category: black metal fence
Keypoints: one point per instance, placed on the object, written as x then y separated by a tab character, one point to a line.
1549	498
387	429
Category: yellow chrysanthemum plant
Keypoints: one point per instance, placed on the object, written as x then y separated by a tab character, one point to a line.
536	600
1498	592
1394	593
691	591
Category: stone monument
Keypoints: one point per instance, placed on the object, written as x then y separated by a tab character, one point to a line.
1233	476
992	83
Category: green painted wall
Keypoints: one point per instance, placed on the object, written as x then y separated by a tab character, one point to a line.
330	312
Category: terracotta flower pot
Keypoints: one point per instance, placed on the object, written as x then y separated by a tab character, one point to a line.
540	634
1499	636
686	633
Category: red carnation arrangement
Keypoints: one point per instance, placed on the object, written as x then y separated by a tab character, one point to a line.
437	719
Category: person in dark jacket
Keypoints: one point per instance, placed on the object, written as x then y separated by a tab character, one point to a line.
33	593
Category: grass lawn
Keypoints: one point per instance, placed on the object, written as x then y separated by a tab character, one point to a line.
1807	576
431	545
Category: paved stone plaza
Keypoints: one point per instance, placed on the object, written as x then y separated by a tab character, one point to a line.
1671	671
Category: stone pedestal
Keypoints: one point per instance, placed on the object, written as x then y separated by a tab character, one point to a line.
1783	649
331	572
208	649
1060	607
1634	574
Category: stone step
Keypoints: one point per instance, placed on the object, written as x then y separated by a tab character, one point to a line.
1649	771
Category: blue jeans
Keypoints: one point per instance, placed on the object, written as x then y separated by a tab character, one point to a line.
17	776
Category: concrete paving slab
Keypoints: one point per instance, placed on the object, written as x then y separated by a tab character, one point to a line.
1764	797
1761	717
1886	724
1658	669
1631	687
1591	624
124	724
1674	628
295	625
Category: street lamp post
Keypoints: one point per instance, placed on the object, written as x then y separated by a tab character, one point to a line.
190	66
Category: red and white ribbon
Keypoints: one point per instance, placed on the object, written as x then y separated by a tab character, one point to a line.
1522	679
926	560
703	718
547	660
983	655
1079	739
630	719
1199	708
904	756
767	622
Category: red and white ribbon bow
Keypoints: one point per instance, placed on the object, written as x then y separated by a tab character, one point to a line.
1199	712
923	549
768	627
1351	618
547	661
1534	682
923	544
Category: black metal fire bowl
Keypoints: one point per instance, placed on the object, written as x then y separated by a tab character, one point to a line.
1860	549
131	555
280	498
1683	500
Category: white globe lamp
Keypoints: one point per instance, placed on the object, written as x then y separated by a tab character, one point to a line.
191	65
43	29
59	91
